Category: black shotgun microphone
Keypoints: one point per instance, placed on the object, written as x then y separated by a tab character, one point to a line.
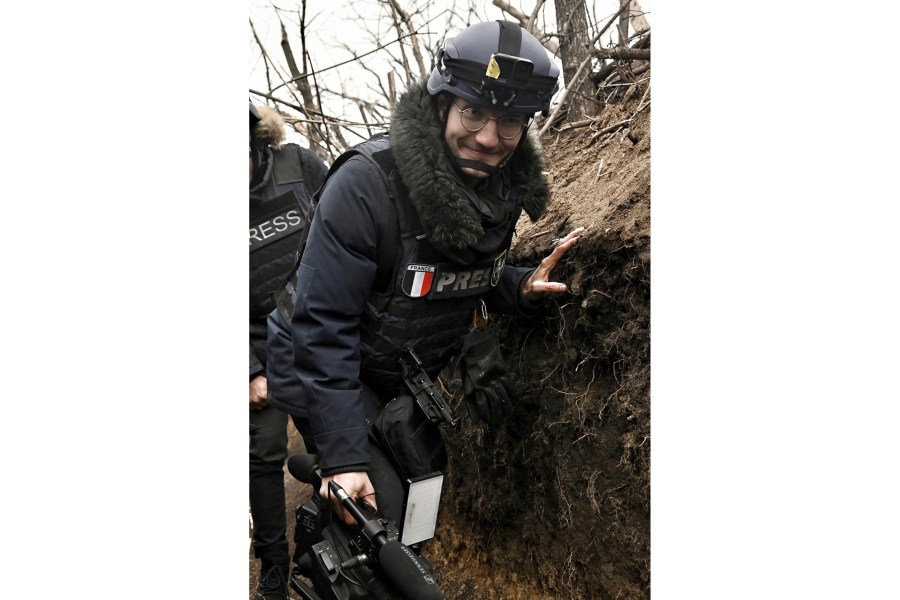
304	467
402	567
406	572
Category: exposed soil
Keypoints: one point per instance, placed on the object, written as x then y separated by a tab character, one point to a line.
556	504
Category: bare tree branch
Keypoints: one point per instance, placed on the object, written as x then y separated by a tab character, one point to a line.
324	120
622	53
608	69
624	20
396	23
362	113
348	61
529	25
392	89
414	43
644	40
315	134
267	60
523	19
262	50
383	93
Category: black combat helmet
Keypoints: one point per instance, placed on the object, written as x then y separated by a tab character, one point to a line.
496	65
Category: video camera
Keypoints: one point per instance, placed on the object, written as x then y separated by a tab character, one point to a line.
368	560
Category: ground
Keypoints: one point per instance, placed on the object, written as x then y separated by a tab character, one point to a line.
556	503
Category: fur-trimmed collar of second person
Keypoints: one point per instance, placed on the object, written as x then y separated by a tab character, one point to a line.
270	128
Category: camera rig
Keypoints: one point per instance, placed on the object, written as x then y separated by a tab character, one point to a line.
362	561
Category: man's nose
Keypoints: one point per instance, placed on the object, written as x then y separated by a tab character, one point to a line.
488	135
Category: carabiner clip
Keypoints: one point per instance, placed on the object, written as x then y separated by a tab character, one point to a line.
483	313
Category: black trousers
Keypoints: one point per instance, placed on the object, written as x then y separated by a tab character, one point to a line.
268	451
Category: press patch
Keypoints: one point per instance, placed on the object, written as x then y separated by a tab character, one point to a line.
274	220
450	281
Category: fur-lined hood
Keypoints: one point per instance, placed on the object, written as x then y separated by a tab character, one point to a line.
449	216
266	136
270	128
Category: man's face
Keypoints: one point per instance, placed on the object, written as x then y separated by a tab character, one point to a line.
485	145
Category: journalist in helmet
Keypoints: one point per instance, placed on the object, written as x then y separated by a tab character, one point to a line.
410	235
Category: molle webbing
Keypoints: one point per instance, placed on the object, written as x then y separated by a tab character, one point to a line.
288	167
444	322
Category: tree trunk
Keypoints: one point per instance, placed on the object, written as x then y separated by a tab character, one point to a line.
574	41
638	20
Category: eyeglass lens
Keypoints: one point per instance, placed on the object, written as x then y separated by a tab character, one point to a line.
474	120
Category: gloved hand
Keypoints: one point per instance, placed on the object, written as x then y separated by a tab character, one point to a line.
489	393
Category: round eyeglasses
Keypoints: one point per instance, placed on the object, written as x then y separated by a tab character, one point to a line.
474	119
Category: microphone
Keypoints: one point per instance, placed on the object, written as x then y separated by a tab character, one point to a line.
400	565
304	467
404	569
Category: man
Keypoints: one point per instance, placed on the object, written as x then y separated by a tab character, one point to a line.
403	262
283	178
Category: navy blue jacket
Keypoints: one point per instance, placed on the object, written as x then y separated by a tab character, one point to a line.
351	249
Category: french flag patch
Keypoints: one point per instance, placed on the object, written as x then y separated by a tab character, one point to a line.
417	280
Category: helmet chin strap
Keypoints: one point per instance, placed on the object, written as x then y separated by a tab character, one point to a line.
480	166
475	164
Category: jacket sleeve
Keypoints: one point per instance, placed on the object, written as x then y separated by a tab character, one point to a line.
257	347
507	296
256	366
335	280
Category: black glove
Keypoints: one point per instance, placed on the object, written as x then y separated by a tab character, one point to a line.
488	391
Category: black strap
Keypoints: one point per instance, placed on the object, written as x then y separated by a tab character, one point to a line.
384	164
407	218
474	164
510	38
474	71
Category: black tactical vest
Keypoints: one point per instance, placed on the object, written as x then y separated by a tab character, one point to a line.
279	219
429	303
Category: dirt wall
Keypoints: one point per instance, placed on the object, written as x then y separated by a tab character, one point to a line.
556	503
